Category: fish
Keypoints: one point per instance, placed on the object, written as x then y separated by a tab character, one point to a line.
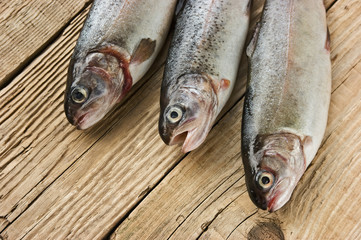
117	45
287	98
201	68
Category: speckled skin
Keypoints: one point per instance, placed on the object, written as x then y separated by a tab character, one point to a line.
110	37
287	98
202	65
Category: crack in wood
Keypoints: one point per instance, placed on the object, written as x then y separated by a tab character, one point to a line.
3	222
205	225
266	230
229	235
347	74
143	193
331	5
41	193
112	231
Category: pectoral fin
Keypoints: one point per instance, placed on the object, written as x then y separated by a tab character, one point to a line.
225	83
144	51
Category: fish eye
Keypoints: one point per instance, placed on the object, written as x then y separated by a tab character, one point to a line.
174	114
79	94
265	180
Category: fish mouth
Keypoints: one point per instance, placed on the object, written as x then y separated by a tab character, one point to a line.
264	202
271	204
188	138
191	137
280	196
258	199
194	139
179	138
79	122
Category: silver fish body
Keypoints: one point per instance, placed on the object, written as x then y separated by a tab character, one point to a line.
118	43
287	98
201	68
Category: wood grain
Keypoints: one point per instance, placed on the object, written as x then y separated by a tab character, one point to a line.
57	182
27	27
37	143
207	207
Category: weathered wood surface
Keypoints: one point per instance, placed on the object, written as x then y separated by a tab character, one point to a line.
118	179
27	27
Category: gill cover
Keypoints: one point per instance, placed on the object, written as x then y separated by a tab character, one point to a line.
274	167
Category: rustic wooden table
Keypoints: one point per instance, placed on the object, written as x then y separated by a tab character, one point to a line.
119	180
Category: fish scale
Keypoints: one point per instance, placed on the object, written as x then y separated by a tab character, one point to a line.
117	45
287	97
201	67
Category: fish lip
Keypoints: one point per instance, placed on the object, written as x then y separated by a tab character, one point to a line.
259	200
175	138
170	138
80	120
69	111
70	119
265	201
271	203
196	134
186	144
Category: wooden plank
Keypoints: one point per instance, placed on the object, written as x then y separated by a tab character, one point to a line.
205	196
26	27
23	119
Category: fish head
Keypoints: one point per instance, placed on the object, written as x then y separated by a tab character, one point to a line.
188	111
92	89
276	168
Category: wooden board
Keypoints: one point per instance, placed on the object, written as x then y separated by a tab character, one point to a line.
27	27
119	180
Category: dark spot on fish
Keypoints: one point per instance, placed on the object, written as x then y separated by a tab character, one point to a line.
266	230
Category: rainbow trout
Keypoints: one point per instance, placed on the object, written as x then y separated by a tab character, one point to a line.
201	68
287	98
117	45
